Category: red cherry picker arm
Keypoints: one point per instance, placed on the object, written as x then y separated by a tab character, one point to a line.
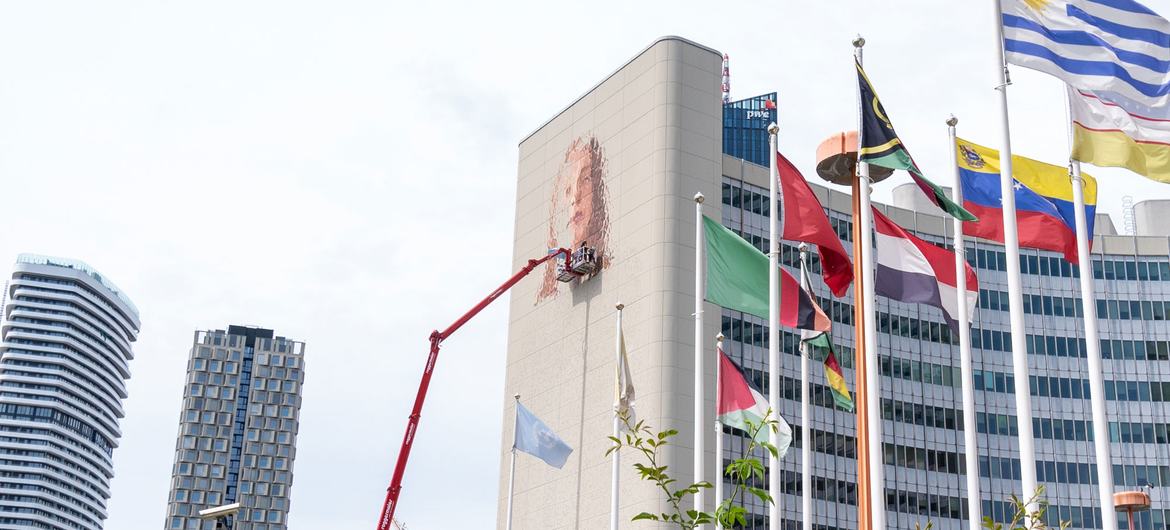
437	337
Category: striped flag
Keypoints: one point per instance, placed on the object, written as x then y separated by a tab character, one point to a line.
833	374
912	270
1119	49
737	278
1115	57
1107	135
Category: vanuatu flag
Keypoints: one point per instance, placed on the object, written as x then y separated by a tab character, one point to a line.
881	146
737	278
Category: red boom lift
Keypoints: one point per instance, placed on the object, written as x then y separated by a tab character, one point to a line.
580	262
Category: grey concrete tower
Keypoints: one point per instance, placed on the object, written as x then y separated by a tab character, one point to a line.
238	429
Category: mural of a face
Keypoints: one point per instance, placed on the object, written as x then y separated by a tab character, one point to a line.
579	206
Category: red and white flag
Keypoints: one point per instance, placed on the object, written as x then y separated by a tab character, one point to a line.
910	269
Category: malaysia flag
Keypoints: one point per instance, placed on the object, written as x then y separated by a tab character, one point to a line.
913	270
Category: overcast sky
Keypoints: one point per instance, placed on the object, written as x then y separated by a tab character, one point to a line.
344	172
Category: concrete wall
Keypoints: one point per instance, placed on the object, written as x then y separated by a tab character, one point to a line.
651	132
1152	217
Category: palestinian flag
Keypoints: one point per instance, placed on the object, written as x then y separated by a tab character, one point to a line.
881	146
913	270
738	403
737	278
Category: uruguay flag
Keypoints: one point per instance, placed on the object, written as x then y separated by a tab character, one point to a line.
1044	204
910	269
1119	49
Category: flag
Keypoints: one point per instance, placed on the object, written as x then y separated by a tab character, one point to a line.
737	278
805	220
739	402
910	269
881	146
821	339
535	438
624	387
1044	203
1107	135
1118	49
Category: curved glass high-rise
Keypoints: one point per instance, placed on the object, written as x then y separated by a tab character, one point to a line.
66	343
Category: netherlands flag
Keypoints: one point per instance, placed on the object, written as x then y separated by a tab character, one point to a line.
912	270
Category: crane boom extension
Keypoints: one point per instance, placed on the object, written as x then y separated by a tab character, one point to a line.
437	337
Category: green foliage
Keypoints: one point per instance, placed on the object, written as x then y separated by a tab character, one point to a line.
744	473
1022	519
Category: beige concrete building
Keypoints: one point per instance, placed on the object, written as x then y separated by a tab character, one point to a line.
617	168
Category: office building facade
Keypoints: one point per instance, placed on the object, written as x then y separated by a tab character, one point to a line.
67	336
237	429
654	127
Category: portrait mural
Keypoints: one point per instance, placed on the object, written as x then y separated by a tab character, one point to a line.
578	212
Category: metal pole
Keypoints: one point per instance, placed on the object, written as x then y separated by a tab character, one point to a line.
773	330
861	411
617	454
873	388
1015	284
970	450
805	417
719	474
1092	339
512	470
1093	350
700	476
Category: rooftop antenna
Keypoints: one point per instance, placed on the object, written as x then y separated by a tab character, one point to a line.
726	80
1127	215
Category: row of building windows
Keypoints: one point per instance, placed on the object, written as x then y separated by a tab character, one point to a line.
56	417
1107	269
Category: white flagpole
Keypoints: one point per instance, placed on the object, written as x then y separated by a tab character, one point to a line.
873	378
1092	346
718	431
700	476
805	418
971	451
512	469
1015	284
773	330
617	402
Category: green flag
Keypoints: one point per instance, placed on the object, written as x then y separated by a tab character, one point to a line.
737	272
881	146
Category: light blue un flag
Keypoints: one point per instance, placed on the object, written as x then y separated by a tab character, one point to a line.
535	438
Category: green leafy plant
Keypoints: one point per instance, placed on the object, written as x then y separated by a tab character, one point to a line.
743	472
1022	519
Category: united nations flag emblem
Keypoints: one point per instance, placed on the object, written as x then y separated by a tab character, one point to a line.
973	159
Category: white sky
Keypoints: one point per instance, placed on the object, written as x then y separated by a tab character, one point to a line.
344	173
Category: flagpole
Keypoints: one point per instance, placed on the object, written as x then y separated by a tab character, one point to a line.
617	398
512	468
700	476
718	431
970	450
1015	284
1092	345
773	331
873	395
805	417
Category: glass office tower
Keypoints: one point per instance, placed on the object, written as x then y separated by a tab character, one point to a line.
64	360
745	127
238	429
